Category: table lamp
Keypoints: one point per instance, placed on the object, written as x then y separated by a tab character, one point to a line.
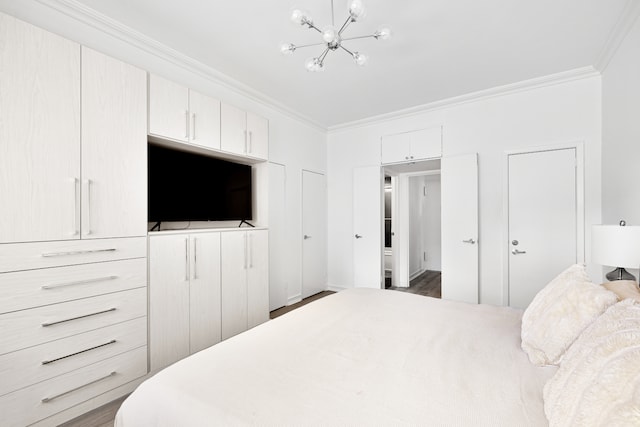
616	246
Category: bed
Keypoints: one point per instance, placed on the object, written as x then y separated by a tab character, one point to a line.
358	357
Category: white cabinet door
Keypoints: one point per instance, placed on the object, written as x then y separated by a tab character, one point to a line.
234	265
233	129
367	230
459	201
168	109
396	148
114	148
39	134
204	120
258	136
426	143
257	277
314	232
204	291
168	299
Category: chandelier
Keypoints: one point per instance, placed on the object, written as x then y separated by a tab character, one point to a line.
332	36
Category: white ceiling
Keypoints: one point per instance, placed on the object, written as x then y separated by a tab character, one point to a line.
440	48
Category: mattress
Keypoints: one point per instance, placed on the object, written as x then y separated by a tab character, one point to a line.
358	357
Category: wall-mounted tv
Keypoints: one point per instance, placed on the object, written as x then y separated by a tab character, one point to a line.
185	186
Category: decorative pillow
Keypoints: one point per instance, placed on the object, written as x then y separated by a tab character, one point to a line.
624	289
560	312
598	382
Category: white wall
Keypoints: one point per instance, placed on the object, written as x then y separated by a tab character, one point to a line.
544	115
293	143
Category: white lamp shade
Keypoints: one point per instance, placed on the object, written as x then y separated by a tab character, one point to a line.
616	246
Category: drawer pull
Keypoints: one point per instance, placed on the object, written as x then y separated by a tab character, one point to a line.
79	282
46	362
49	399
78	317
52	254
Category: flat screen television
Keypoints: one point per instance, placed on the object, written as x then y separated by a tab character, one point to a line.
192	187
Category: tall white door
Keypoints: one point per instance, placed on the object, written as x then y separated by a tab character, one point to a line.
278	248
542	220
367	228
234	265
257	277
314	233
459	198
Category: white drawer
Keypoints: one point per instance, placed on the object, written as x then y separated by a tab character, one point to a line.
26	328
33	288
32	365
27	256
44	399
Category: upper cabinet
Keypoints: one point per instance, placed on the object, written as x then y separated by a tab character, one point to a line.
182	114
39	134
244	133
412	146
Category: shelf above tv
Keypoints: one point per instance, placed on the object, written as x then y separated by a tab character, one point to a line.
192	148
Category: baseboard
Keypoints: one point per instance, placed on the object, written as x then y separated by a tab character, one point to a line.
335	288
416	274
294	299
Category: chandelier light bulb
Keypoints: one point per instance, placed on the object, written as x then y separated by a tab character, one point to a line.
330	35
300	17
314	65
356	9
360	58
383	33
287	48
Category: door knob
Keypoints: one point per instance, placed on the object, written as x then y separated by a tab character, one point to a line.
358	236
470	241
517	252
306	237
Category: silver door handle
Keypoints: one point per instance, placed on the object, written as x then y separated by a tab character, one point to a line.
53	254
82	316
517	252
193	126
49	399
195	258
470	241
186	259
186	124
245	142
47	362
76	182
88	207
358	236
79	282
305	237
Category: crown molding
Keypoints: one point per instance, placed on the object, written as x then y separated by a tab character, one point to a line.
617	35
525	85
113	28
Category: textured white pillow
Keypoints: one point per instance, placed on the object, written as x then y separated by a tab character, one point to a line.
598	382
560	312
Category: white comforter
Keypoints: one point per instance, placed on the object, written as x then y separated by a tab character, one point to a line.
359	357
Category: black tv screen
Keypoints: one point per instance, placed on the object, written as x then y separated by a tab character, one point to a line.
191	187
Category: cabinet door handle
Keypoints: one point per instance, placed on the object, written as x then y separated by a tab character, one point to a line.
195	258
193	126
470	241
49	399
250	142
79	282
245	141
186	259
82	316
54	254
76	183
186	124
518	252
46	362
250	250
88	232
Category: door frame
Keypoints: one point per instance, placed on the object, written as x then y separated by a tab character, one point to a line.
580	206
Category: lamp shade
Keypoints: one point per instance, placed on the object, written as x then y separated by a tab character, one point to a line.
616	246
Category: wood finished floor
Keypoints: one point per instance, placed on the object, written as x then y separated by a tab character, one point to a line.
427	284
288	308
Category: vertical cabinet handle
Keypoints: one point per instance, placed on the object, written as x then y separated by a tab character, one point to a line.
195	258
186	259
250	142
89	184
76	183
250	250
186	124
193	126
245	141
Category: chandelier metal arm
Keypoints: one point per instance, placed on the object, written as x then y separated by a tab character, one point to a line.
323	55
359	37
311	44
345	25
347	50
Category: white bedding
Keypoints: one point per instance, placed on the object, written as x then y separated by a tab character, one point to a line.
359	357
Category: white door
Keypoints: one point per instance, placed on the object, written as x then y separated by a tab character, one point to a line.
204	291
367	227
542	220
258	136
396	148
39	134
168	109
168	299
459	198
278	249
426	143
204	120
114	148
257	277
233	266
314	232
233	129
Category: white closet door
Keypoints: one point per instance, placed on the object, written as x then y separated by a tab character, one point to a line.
39	134
460	228
257	277
233	128
258	136
279	269
234	265
367	229
426	143
396	148
205	120
204	295
114	147
168	109
314	233
168	299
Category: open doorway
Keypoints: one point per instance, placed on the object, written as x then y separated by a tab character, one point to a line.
412	224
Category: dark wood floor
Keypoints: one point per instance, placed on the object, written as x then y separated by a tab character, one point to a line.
288	308
427	284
